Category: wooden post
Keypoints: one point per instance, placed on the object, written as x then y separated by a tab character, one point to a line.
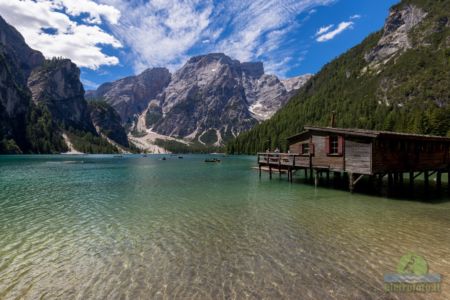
328	176
279	166
448	180
411	180
400	178
380	181
390	180
259	170
371	182
270	171
316	178
351	184
306	173
438	180
427	179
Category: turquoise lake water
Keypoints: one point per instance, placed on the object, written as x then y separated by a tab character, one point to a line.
100	227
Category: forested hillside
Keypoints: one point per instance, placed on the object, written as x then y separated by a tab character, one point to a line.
397	79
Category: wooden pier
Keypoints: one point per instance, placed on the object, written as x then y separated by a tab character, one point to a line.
356	153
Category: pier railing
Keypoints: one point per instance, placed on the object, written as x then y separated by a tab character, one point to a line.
277	159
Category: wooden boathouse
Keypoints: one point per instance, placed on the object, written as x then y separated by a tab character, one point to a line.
357	153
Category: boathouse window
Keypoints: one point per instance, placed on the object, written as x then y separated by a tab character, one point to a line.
305	148
334	145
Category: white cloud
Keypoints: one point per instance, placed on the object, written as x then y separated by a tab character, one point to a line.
80	41
323	29
158	32
167	32
259	28
89	84
332	34
355	17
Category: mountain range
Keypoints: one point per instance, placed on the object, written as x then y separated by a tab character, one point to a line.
397	79
210	100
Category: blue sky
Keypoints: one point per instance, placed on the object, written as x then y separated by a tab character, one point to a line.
111	39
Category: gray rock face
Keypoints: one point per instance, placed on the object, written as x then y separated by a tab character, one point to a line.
107	122
57	85
295	83
130	96
19	60
16	62
395	36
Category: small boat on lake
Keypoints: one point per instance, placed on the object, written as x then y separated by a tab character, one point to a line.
212	160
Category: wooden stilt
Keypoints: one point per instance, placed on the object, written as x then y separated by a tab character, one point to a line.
306	173
380	181
316	178
448	180
351	184
427	179
328	177
371	182
395	178
390	180
411	180
270	171
438	180
259	170
400	179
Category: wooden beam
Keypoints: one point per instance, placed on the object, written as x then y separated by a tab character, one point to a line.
418	174
358	179
438	180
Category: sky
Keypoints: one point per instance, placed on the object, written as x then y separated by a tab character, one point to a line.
111	39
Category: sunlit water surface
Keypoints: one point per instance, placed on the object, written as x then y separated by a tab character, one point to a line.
100	227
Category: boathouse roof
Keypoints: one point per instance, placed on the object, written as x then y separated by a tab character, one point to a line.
354	132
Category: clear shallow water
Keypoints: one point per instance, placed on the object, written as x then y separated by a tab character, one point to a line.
99	227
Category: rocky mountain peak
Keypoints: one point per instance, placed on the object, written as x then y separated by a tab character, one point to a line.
130	96
295	83
16	51
395	39
56	84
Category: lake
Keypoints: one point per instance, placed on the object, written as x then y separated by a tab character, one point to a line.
104	227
